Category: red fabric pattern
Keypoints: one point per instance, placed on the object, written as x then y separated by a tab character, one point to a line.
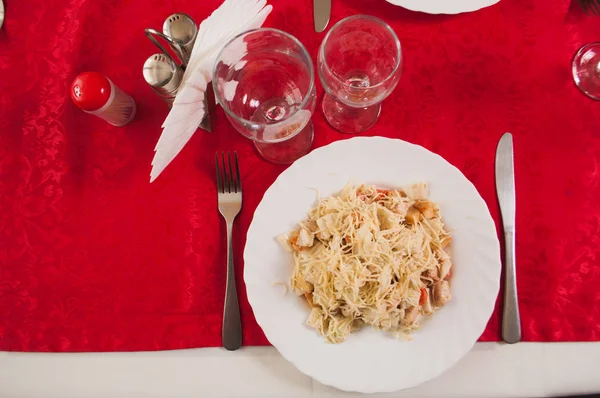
94	258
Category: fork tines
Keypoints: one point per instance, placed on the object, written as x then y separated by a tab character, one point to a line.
227	181
590	7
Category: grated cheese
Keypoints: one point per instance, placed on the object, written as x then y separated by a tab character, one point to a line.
370	257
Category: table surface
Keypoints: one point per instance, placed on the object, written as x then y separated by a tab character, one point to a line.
489	370
99	260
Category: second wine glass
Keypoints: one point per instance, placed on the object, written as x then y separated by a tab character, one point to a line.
359	64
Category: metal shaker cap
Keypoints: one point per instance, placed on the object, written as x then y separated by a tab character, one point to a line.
182	28
163	74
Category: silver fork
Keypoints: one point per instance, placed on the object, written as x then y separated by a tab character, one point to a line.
229	189
590	7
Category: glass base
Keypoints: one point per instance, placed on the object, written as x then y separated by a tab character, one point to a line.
586	70
347	119
288	151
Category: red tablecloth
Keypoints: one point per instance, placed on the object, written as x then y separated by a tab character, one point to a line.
94	258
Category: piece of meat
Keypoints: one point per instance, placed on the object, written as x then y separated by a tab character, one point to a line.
284	241
413	216
387	219
303	286
305	238
310	225
426	208
418	191
441	293
427	308
301	240
444	263
293	239
445	268
309	298
325	225
410	316
448	275
446	240
431	274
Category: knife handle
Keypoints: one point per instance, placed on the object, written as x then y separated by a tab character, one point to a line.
511	322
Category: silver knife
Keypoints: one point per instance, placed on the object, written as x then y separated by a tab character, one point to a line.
321	14
505	188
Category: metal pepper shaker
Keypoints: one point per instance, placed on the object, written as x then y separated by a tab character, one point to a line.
163	75
183	30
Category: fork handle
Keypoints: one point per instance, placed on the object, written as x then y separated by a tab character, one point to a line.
232	325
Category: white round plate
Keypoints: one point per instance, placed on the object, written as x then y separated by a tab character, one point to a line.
370	360
443	6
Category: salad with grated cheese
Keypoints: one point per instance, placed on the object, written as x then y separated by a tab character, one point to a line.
371	256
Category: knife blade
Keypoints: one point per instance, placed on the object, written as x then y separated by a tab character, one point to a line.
321	14
505	189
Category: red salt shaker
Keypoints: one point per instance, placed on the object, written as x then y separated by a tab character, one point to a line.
94	93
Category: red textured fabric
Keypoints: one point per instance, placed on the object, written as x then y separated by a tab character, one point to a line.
94	258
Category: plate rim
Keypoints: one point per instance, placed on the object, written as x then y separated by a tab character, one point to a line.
439	7
496	279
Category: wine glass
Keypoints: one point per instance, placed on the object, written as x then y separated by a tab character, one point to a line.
586	70
359	64
264	80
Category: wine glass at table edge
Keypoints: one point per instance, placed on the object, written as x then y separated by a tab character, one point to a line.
359	64
264	80
586	70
